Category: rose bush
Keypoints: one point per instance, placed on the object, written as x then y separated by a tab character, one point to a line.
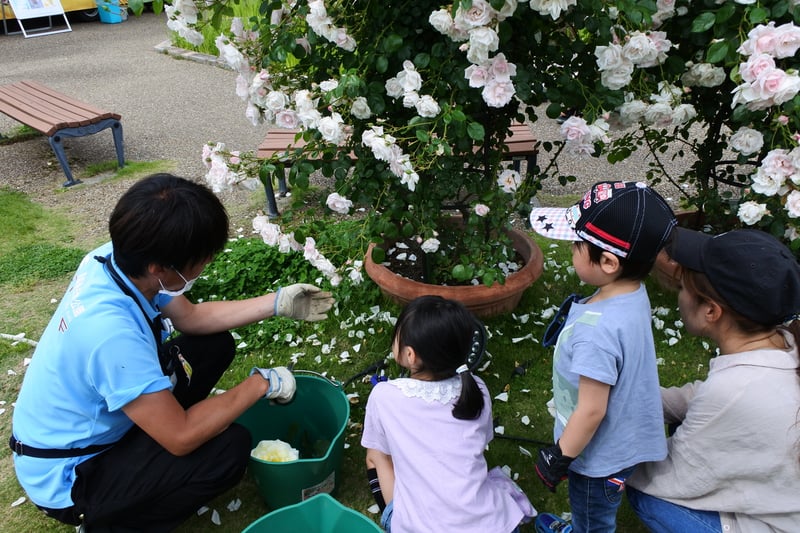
423	94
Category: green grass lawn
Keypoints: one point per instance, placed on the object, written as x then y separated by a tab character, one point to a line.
359	326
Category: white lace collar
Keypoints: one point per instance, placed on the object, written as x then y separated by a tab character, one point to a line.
443	391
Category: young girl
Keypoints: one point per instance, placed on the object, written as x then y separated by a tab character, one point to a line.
425	434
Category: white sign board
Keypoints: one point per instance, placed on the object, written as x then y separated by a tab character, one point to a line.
29	9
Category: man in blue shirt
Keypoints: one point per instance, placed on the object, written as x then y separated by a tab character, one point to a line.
112	428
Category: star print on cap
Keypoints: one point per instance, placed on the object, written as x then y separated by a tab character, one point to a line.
628	219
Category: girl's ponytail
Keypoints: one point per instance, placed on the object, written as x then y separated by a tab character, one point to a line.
470	404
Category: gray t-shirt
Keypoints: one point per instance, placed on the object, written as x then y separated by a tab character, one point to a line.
611	341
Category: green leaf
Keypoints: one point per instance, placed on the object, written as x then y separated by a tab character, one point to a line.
476	131
392	43
378	255
704	22
725	12
381	64
717	51
758	15
422	60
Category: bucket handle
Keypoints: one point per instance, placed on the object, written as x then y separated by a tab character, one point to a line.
333	382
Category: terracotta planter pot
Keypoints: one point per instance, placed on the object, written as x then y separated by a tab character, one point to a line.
483	301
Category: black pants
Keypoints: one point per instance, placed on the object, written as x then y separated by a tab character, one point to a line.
137	485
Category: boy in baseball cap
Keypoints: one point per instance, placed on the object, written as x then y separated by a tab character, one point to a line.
605	382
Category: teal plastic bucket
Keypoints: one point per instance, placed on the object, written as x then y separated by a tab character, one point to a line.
314	423
318	514
111	12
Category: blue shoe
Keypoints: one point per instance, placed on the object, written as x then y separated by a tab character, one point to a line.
550	523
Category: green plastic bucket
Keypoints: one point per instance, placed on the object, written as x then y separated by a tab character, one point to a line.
313	423
318	514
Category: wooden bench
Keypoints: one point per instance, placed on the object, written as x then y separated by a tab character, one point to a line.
520	142
57	116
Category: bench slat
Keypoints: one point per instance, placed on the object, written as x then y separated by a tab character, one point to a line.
47	110
58	116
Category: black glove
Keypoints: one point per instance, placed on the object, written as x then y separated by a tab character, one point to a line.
552	466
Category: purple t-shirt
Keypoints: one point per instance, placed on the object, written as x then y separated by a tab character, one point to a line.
442	482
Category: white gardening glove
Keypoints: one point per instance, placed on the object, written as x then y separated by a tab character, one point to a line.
303	302
282	384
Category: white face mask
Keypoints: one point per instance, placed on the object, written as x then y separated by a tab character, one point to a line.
187	286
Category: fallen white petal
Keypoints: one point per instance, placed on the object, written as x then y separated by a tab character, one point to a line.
11	373
2	410
215	517
525	420
672	341
202	510
234	505
524	451
503	397
242	345
500	430
19	501
373	509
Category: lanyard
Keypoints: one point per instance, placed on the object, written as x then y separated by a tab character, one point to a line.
156	325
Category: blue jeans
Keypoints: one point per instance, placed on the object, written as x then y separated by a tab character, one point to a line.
594	501
661	516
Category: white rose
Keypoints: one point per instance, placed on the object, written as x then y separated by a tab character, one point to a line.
275	101
338	203
640	50
360	108
793	204
617	78
393	88
485	37
477	75
658	114
287	119
275	451
747	141
430	246
310	118
751	212
632	112
441	21
332	129
766	183
509	180
498	93
481	210
683	114
270	233
409	78
328	85
479	14
427	107
410	99
610	57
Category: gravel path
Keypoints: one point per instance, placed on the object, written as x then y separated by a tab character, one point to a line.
170	107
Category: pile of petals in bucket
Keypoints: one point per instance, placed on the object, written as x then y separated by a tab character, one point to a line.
275	451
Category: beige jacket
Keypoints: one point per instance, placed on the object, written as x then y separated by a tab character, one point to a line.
737	450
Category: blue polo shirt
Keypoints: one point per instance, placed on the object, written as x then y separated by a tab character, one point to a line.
96	355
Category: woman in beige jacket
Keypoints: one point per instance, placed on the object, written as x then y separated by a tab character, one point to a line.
734	461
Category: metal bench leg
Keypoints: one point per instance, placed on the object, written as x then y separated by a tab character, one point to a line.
58	147
272	205
116	130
